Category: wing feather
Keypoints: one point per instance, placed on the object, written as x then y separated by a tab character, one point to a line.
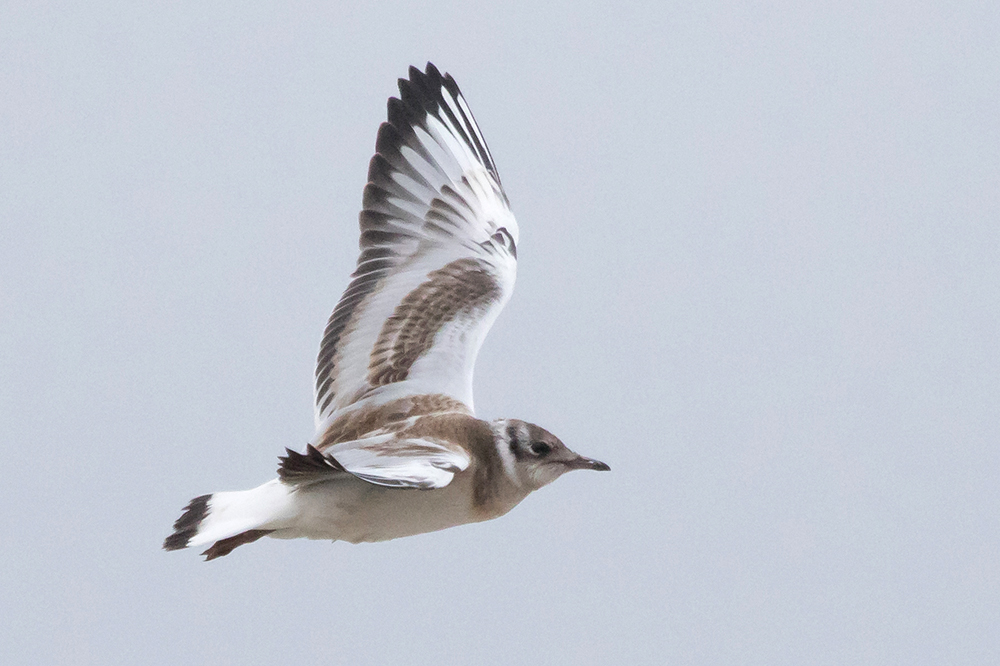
402	463
437	260
383	460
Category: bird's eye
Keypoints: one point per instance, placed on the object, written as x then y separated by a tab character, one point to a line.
541	448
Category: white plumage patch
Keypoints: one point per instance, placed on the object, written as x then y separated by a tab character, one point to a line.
230	513
401	463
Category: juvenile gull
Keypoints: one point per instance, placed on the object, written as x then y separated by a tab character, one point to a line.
398	450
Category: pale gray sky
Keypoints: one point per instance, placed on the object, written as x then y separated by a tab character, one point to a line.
758	276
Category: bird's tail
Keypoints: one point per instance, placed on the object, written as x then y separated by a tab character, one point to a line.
231	519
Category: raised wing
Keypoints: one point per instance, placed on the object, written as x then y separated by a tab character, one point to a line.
438	257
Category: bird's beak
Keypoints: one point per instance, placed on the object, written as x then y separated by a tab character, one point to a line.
588	463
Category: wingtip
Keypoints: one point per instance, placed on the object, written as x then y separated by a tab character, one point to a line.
433	73
295	467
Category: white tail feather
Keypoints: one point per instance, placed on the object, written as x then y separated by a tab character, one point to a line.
265	507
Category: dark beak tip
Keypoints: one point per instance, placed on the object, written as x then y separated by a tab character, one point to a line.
581	462
596	465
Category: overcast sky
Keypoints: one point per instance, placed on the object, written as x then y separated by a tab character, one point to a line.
758	276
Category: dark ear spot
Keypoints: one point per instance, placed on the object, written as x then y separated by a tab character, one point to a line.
512	441
512	434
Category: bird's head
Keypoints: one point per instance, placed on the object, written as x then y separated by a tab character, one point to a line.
536	456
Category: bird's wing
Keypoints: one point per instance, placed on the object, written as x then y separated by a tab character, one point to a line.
385	460
438	258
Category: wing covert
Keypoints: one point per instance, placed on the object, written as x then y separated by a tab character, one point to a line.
383	460
402	463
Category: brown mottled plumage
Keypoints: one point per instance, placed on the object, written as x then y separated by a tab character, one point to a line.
390	416
462	288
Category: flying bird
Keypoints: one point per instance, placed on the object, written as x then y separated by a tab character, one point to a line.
398	449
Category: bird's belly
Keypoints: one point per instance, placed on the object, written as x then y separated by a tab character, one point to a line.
352	510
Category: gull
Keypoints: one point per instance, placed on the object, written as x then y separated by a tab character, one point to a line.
398	449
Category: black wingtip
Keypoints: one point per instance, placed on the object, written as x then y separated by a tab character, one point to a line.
420	94
296	467
420	90
186	526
